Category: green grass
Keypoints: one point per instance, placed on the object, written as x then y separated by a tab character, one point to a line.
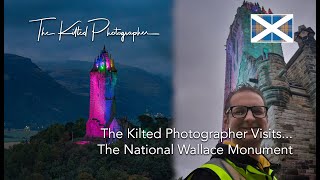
17	135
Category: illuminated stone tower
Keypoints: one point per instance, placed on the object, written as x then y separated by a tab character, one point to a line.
241	53
103	79
289	89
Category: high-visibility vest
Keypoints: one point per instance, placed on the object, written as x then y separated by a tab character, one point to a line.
227	170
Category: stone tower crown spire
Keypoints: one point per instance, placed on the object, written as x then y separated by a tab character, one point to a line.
304	36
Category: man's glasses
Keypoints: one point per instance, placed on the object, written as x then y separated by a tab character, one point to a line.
242	111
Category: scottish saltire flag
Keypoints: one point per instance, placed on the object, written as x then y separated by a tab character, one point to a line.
271	28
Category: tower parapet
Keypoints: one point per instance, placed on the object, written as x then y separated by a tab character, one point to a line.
255	8
303	62
304	36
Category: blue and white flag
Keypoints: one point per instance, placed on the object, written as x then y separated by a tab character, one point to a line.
271	28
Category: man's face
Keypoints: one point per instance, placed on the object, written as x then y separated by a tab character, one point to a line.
246	98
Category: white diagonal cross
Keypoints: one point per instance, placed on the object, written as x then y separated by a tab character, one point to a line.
271	28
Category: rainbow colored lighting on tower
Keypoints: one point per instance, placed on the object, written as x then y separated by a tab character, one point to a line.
103	79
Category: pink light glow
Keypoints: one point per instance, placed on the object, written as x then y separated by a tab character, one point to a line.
82	142
101	98
97	105
108	63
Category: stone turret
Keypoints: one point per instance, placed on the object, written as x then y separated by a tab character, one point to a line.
304	36
272	80
303	62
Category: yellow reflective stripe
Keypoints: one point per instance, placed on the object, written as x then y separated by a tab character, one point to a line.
270	171
218	170
189	178
251	170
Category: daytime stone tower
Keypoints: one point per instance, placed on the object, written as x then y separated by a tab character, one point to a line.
289	89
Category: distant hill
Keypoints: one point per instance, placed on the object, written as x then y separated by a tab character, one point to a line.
41	93
34	98
135	91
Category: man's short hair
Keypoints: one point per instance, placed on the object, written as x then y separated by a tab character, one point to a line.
242	88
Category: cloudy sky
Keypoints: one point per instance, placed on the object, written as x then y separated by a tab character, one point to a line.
200	32
152	53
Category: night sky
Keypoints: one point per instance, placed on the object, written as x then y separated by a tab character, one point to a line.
151	53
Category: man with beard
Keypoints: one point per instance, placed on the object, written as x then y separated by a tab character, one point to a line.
245	111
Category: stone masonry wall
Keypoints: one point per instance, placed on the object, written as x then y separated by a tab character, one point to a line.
303	71
297	120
